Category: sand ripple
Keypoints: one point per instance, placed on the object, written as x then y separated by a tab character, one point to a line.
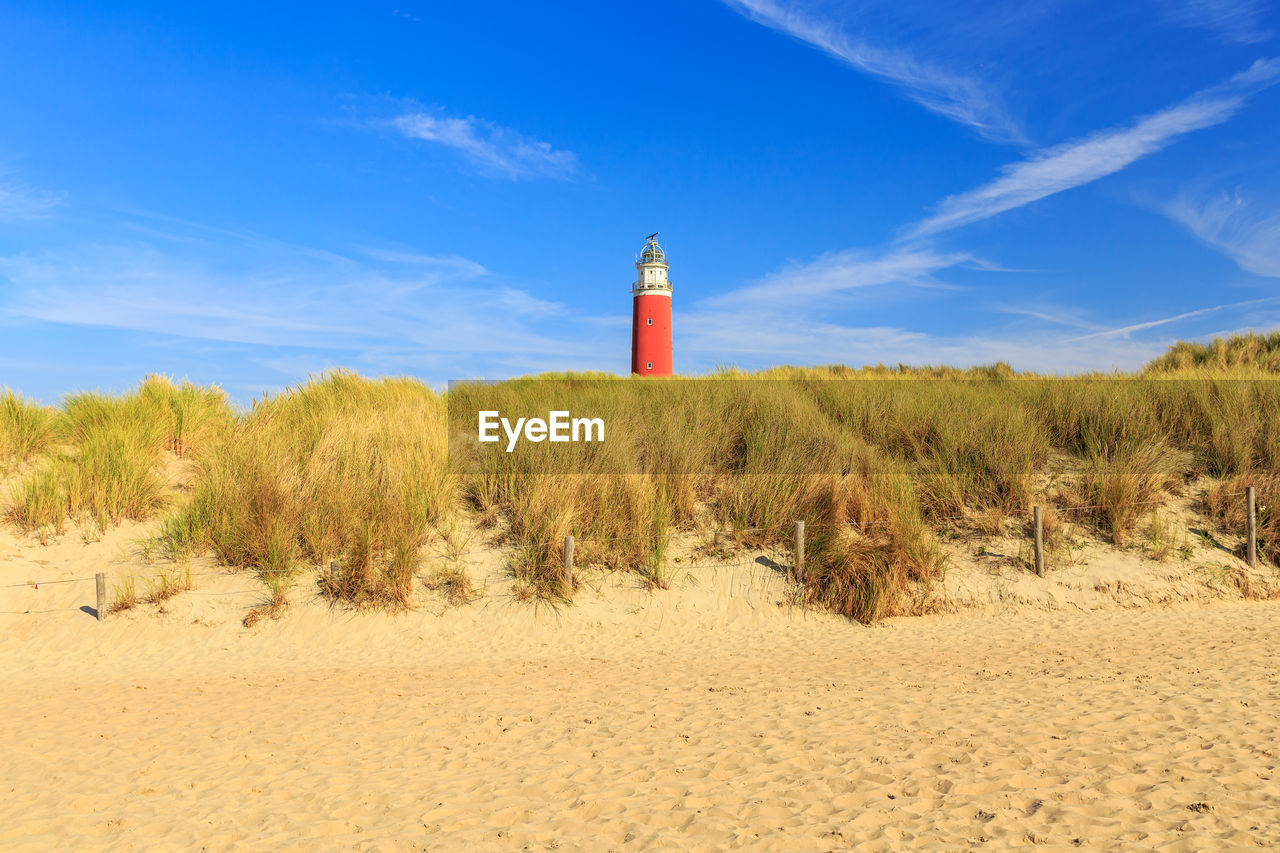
1101	730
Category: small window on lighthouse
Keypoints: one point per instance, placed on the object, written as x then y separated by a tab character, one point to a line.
648	365
650	321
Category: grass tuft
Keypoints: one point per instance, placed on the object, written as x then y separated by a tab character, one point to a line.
125	598
454	585
1122	481
167	584
26	429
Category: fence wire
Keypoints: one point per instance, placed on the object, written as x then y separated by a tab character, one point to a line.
728	532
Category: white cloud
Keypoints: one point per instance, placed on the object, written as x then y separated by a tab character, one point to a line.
838	273
1039	342
435	316
787	318
959	98
1125	331
18	202
1233	224
1079	162
295	312
741	338
799	300
462	265
1238	21
494	150
1055	315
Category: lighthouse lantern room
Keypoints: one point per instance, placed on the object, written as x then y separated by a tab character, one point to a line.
651	313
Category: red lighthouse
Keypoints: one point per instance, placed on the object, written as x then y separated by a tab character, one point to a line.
651	313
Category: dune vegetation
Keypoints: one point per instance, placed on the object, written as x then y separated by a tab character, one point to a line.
100	457
356	477
1236	355
344	473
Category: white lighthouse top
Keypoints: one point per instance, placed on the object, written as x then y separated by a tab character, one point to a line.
651	269
653	253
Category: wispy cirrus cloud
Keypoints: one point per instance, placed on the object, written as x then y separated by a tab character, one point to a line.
1053	315
1078	162
1131	328
292	308
719	337
955	96
494	150
802	299
459	265
18	202
1235	225
837	273
1044	341
1238	21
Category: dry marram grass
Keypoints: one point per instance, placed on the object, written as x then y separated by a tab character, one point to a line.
356	477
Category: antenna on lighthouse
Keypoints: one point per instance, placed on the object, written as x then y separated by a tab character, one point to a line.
652	237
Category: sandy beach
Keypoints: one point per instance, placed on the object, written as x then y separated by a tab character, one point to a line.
704	717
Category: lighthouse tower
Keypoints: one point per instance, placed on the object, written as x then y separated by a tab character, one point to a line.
651	313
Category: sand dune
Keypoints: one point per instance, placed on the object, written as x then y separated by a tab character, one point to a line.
704	717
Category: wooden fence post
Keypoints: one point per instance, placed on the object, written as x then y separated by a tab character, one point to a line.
1250	499
100	581
1038	521
568	562
799	557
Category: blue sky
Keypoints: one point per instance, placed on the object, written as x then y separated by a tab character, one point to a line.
247	195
